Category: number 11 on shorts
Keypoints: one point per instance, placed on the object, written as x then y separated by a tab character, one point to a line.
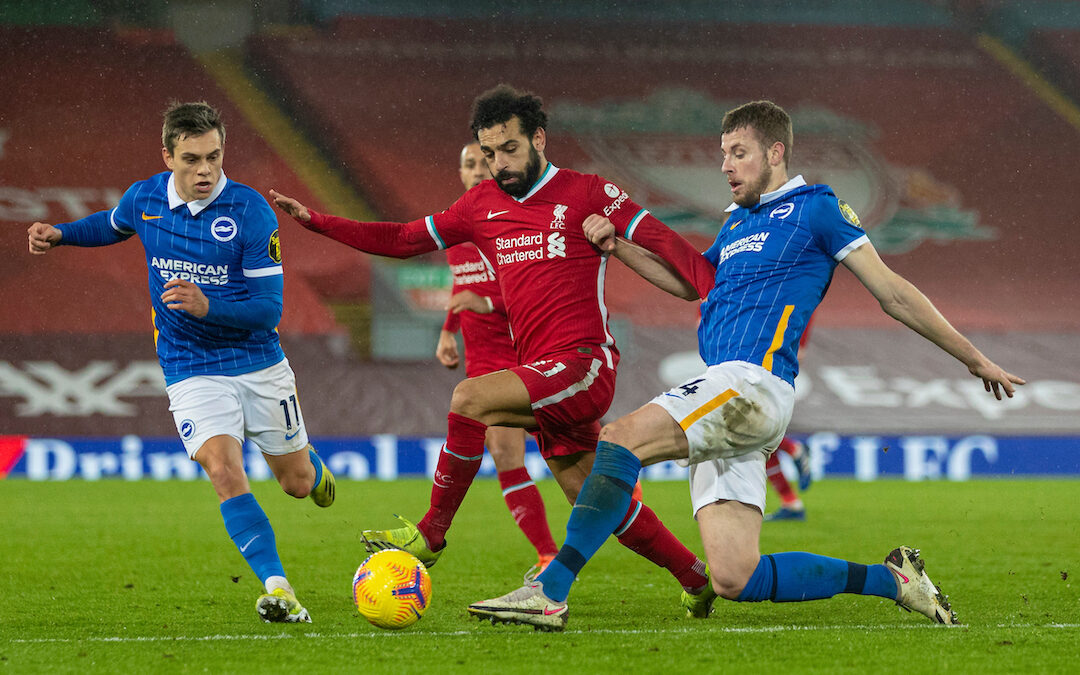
296	411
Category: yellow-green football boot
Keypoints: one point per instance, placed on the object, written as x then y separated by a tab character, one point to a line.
281	606
699	606
407	538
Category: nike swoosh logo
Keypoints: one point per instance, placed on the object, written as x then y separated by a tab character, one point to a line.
291	436
906	580
492	214
548	611
245	546
146	217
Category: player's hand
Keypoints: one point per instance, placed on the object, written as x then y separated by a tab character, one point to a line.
43	237
600	232
446	351
995	379
290	206
467	301
187	296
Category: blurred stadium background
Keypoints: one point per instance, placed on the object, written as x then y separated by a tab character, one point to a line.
949	125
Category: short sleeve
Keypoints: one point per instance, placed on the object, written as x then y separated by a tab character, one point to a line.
836	227
262	246
611	201
122	218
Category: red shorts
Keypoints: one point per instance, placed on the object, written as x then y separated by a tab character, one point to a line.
569	395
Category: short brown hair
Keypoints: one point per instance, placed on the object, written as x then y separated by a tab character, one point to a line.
769	120
189	119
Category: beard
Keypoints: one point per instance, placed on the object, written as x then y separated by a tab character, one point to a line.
752	193
526	178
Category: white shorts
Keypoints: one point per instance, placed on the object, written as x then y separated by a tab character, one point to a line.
262	406
734	416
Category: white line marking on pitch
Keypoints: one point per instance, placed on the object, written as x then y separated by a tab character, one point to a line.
429	634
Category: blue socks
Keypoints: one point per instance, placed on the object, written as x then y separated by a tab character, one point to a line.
600	507
250	530
781	577
317	463
793	577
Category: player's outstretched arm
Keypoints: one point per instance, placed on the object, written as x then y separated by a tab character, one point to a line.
43	237
291	206
395	240
901	300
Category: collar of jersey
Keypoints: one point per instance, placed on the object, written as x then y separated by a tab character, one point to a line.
199	204
796	182
549	173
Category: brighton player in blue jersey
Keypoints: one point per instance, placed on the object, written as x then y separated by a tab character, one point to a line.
774	258
215	276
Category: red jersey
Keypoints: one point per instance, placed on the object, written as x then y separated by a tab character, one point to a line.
552	278
488	345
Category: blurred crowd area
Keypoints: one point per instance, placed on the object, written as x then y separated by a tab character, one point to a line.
947	125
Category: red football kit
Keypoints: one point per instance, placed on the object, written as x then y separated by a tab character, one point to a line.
552	282
488	345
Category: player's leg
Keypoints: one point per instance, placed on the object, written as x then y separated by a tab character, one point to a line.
800	454
498	398
602	506
248	527
730	435
702	416
274	421
209	417
791	507
605	505
507	448
271	418
729	494
298	472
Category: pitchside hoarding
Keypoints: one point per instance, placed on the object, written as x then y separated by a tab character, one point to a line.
387	457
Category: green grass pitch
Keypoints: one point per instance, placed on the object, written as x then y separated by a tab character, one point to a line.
140	577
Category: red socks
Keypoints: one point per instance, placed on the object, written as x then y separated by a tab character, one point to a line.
527	507
458	463
648	537
778	480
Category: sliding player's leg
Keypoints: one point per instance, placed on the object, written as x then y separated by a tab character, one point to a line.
730	532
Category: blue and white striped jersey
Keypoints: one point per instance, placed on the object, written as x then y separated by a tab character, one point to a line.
228	245
774	261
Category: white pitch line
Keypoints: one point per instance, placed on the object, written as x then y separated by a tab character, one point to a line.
457	633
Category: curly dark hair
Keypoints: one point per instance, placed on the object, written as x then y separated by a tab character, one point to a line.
498	105
769	120
189	119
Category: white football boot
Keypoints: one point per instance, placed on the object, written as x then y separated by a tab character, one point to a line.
917	592
527	605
